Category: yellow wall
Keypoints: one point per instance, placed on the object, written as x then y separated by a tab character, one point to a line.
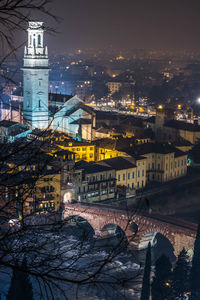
165	167
104	153
46	181
191	136
86	152
133	177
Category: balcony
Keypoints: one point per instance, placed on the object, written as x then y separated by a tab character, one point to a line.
102	180
155	171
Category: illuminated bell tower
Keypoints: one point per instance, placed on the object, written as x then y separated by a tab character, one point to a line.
36	78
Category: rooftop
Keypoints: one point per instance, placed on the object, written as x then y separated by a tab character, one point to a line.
182	125
94	168
7	123
53	97
161	148
119	163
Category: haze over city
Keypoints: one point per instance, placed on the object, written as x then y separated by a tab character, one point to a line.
124	24
99	150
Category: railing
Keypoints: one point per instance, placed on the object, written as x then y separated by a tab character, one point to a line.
157	217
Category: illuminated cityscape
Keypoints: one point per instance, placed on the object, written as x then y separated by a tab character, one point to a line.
100	154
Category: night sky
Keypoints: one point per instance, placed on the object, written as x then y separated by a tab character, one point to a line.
158	24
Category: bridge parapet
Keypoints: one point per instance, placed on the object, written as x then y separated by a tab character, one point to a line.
179	233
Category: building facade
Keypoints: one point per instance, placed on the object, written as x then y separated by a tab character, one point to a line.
36	78
163	161
95	182
130	171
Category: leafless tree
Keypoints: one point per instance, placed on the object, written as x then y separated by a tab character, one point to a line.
60	267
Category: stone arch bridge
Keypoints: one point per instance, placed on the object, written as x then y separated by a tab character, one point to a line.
135	224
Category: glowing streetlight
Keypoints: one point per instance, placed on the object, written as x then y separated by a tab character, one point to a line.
198	100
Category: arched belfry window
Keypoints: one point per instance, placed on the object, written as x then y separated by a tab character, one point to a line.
39	103
39	40
34	42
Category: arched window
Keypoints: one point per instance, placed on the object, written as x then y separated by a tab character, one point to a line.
39	40
34	42
30	39
39	103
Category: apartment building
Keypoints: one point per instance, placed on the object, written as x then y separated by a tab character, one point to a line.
130	171
94	182
163	161
84	151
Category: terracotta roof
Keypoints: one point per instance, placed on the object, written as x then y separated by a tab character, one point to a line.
59	97
159	148
94	168
119	163
82	121
182	125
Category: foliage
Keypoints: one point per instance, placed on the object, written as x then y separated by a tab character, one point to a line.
195	270
180	275
145	294
20	287
161	285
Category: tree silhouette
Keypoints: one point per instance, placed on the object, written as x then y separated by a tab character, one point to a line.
195	270
54	263
180	275
146	286
161	285
20	287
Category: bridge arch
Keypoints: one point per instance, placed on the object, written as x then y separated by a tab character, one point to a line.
111	229
114	236
160	244
129	228
180	234
79	226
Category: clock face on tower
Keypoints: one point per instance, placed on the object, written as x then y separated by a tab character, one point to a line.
40	93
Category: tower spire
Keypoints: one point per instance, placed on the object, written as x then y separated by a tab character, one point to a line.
36	77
